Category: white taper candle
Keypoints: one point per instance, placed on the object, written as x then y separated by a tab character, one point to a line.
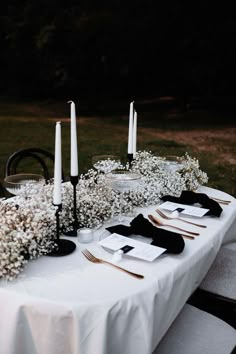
130	136
73	141
57	166
135	134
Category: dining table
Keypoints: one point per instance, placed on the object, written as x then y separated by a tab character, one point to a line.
69	305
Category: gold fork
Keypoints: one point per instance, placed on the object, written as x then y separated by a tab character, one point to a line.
164	216
94	259
160	223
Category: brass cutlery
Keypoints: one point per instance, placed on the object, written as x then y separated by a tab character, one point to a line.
160	223
164	216
185	236
188	237
94	259
221	201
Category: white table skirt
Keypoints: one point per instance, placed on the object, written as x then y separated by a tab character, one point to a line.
68	305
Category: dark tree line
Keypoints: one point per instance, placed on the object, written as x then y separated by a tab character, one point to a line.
54	48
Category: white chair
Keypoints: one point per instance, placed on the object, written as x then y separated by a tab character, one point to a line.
197	332
220	281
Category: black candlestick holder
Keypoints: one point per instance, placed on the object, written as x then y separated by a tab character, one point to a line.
130	159
63	247
75	224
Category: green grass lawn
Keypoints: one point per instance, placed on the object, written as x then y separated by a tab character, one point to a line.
32	124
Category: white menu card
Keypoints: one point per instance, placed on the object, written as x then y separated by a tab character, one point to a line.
135	248
184	209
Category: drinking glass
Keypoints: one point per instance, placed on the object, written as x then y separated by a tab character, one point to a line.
123	181
173	163
25	184
106	163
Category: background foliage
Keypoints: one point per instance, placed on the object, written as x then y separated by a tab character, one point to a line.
103	54
122	48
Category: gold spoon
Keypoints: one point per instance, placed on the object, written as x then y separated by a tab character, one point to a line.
160	223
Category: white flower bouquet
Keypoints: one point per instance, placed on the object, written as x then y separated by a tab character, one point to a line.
28	230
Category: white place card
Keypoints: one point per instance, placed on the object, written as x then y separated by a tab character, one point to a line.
184	209
138	249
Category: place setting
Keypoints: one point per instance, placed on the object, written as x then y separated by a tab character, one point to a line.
147	238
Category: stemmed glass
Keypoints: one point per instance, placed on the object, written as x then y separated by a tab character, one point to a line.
173	163
106	163
123	181
24	184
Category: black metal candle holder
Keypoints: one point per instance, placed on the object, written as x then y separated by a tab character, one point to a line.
63	247
73	233
130	159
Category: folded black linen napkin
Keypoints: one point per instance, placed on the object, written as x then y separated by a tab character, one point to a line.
189	197
172	241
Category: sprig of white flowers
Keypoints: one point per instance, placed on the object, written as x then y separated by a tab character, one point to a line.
28	229
158	180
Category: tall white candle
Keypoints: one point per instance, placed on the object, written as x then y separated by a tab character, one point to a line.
135	134
57	166
73	141
130	136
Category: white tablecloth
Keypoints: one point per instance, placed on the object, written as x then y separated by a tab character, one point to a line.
68	305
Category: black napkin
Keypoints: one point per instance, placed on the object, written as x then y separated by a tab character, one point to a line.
172	241
188	197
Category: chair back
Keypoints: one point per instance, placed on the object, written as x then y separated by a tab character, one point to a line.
42	157
2	191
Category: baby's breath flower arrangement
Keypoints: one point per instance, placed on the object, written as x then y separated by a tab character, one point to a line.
24	234
157	180
27	230
28	227
192	174
96	202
